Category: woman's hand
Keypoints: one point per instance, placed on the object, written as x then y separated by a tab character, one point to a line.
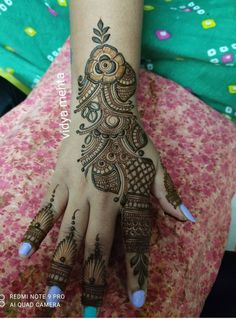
108	166
117	182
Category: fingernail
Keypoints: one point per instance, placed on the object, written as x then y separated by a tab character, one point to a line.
53	296
187	213
138	298
24	249
90	312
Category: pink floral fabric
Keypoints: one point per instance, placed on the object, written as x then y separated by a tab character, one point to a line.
198	147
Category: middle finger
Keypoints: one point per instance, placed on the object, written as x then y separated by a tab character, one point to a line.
98	243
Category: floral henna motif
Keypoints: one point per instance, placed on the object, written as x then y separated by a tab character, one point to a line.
41	224
64	257
114	142
94	277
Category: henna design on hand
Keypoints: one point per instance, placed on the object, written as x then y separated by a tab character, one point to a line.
41	224
114	142
172	194
64	257
136	217
94	277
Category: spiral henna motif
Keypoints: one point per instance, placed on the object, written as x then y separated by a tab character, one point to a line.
113	153
41	224
64	257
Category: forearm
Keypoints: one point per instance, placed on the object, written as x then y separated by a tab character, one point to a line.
124	19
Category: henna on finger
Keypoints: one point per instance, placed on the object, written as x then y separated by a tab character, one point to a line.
172	195
136	218
94	277
64	257
41	224
136	226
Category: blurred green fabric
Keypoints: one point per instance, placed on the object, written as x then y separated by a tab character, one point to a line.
191	42
31	35
194	44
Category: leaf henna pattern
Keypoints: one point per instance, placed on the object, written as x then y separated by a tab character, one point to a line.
113	146
41	224
140	264
64	257
94	277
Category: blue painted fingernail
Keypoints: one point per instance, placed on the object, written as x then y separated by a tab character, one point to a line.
24	249
187	213
53	296
90	312
138	298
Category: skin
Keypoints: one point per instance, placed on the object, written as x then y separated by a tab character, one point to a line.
89	204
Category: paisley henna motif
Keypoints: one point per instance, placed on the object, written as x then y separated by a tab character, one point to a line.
41	224
113	147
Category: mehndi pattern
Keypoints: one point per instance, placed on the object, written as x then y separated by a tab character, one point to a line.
113	145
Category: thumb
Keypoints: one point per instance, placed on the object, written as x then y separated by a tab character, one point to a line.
164	190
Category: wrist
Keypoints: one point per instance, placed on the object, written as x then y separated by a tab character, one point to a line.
104	90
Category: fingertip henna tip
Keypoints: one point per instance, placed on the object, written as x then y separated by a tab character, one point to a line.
24	249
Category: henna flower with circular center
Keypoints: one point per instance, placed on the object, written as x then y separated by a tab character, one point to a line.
105	65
